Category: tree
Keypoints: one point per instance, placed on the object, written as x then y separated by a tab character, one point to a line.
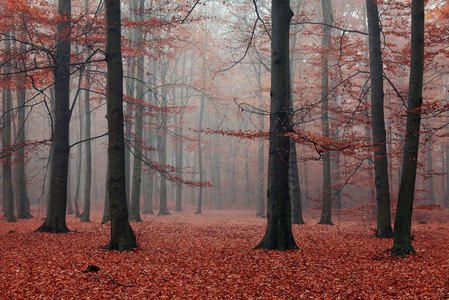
403	221
85	216
384	229
122	235
23	203
326	42
138	129
56	206
8	199
278	235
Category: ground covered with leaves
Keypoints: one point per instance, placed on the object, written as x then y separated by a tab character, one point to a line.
210	256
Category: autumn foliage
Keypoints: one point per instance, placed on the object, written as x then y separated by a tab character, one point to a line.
186	256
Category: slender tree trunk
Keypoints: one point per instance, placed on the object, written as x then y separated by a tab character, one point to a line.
122	235
148	196
326	42
107	204
23	208
8	199
56	207
278	235
200	157
78	178
217	168
430	171
446	198
138	130
260	152
85	216
162	146
295	190
384	229
403	220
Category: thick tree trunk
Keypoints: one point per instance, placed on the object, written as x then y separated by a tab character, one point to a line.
56	207
278	235
403	220
326	42
384	229
122	235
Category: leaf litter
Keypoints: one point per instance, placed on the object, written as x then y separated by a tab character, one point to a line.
210	256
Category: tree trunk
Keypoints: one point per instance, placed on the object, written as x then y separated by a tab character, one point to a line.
8	199
56	207
162	145
446	198
278	235
78	177
138	130
260	152
23	207
430	173
403	220
85	216
326	42
122	235
384	229
295	190
107	204
200	158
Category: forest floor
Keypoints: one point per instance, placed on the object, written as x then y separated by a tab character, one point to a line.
210	256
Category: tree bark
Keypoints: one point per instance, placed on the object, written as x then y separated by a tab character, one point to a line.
56	206
162	145
8	198
85	216
278	235
326	42
23	207
138	130
122	235
384	229
403	221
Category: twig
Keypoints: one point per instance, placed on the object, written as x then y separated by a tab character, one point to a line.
117	283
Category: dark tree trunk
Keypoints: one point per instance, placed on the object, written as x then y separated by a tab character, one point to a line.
278	235
8	199
403	220
326	42
384	229
57	203
122	235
